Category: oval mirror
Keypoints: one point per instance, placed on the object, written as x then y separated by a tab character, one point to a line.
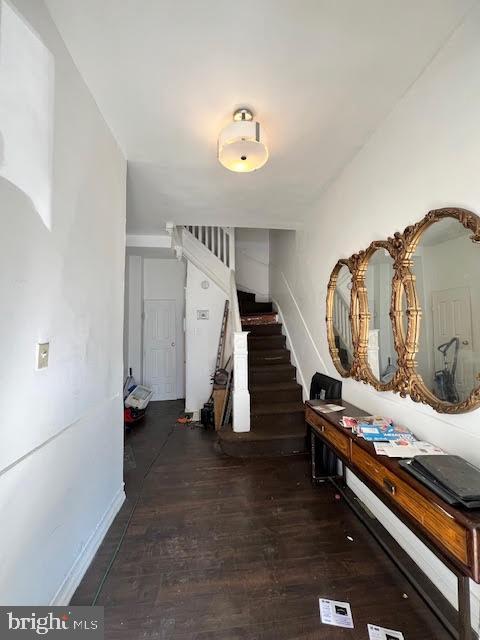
340	336
381	353
446	265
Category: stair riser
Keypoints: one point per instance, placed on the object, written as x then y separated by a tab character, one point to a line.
278	420
269	318
265	343
264	329
285	395
270	375
270	358
244	296
255	307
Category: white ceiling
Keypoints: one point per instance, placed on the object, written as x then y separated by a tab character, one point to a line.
320	75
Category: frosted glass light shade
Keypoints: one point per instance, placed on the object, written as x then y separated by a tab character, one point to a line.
241	146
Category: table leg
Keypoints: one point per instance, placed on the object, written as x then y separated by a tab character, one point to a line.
464	619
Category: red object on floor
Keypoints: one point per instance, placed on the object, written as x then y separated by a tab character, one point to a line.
131	415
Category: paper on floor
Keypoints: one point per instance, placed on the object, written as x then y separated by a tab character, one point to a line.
335	613
380	633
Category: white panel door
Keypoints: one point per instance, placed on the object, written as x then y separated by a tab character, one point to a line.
159	349
452	317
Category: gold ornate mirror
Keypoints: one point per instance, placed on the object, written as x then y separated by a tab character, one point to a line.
376	271
404	314
445	264
342	329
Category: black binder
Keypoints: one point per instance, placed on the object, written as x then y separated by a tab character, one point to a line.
452	478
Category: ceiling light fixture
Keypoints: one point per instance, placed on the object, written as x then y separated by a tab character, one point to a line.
241	144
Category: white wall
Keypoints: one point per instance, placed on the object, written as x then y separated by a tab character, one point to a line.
152	278
423	156
202	336
61	451
252	256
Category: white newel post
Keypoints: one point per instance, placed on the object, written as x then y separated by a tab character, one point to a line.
241	395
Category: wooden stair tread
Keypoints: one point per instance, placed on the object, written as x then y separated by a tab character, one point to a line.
275	386
273	408
277	424
263	330
248	314
266	433
255	339
284	366
269	357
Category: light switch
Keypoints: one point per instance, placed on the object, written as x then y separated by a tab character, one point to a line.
42	355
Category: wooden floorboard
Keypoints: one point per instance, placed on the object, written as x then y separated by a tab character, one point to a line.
224	549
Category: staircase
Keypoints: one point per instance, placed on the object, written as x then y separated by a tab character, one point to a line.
343	353
277	422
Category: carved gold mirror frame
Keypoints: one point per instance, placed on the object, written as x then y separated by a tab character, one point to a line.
401	247
362	261
353	318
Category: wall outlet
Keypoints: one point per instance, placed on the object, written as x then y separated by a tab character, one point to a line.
202	314
42	355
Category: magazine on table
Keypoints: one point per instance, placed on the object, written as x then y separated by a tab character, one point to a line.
353	423
377	429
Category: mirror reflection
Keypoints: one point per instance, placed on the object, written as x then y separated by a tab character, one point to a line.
446	265
382	357
341	317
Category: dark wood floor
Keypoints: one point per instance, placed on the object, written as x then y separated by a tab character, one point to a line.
227	549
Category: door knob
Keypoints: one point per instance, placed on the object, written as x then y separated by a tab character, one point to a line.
173	344
465	342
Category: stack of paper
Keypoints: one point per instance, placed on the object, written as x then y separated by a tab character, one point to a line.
328	408
377	429
403	449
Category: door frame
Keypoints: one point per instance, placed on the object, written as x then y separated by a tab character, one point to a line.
144	351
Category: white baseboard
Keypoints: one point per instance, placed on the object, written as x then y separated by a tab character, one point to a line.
82	562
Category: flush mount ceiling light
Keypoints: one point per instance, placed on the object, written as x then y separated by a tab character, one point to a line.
241	144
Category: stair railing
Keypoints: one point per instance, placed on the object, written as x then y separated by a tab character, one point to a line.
341	321
218	263
219	240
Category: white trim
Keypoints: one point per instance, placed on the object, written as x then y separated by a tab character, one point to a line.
291	348
306	387
305	326
86	555
162	241
205	260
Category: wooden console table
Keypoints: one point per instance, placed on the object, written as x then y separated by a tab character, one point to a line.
452	534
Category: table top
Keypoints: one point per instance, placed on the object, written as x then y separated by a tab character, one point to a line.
471	519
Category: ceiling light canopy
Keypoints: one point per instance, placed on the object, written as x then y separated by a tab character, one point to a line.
241	144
